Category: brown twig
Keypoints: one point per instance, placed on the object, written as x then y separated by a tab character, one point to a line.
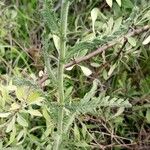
100	50
107	46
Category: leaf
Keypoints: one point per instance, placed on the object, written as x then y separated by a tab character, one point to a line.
146	41
119	112
94	14
47	116
56	40
79	47
51	20
12	136
29	95
70	68
48	147
96	65
24	82
4	95
111	69
127	4
87	72
117	24
34	113
88	37
20	135
76	132
34	138
69	122
22	121
10	125
11	87
91	93
118	120
22	92
68	92
146	15
109	2
148	115
84	130
34	98
82	53
118	2
14	106
109	27
132	41
4	115
100	102
105	75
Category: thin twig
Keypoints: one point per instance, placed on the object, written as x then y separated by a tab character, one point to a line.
107	46
100	50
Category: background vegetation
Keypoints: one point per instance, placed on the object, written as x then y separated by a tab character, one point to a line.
106	97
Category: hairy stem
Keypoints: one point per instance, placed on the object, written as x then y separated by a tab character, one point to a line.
63	29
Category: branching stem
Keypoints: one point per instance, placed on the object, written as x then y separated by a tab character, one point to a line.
100	50
63	29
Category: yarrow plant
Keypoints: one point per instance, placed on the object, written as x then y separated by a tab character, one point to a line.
87	88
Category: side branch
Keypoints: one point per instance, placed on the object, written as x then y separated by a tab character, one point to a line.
101	49
107	46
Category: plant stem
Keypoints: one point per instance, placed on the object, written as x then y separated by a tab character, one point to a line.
63	29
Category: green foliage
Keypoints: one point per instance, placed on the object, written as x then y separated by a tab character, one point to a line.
50	19
106	98
90	103
111	31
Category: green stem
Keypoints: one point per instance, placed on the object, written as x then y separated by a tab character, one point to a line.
63	29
